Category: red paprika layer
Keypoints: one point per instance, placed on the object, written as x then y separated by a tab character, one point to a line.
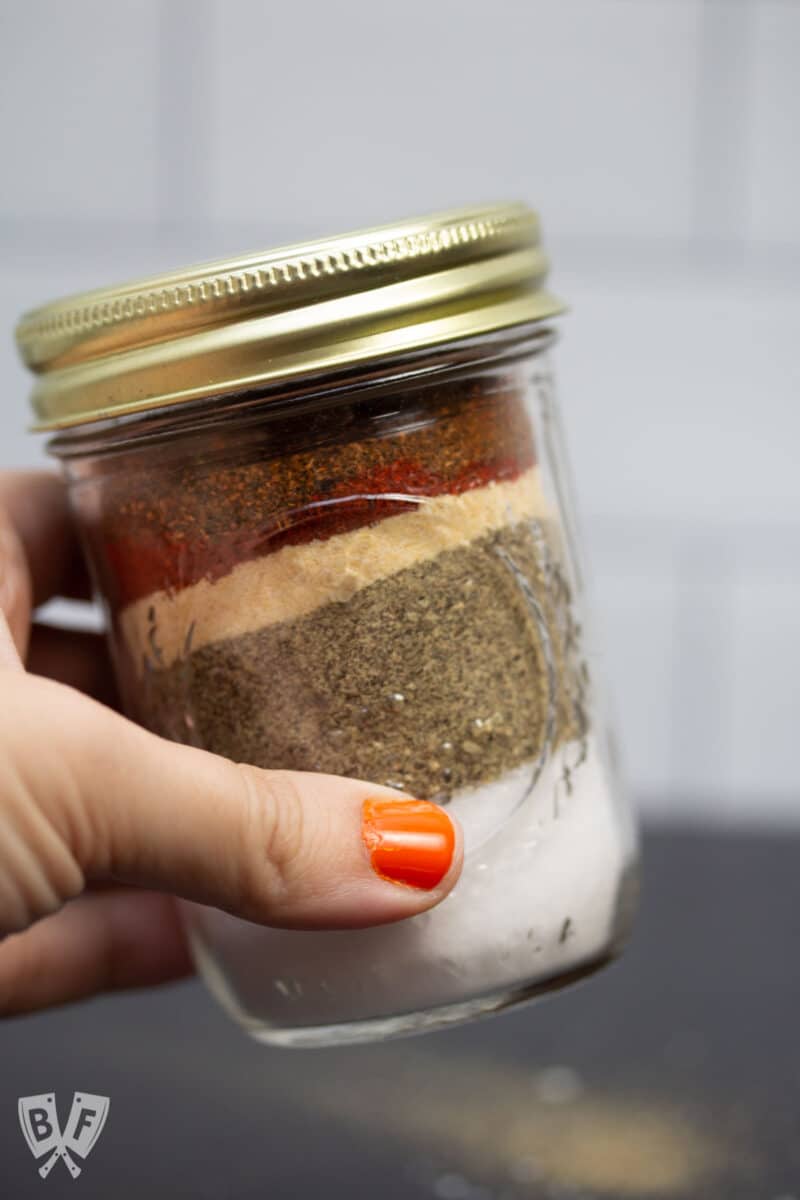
148	562
166	528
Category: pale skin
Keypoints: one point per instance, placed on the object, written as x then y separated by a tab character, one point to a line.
103	824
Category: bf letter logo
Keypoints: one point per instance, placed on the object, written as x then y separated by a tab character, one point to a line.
39	1122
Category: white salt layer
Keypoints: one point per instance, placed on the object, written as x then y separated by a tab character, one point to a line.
537	898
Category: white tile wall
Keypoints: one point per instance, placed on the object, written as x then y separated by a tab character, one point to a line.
634	601
658	139
78	110
773	177
681	389
764	670
340	112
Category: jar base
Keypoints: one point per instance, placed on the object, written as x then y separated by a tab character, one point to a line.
380	1029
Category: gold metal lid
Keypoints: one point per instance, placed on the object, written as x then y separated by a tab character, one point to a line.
240	323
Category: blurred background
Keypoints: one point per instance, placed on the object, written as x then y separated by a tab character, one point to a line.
657	138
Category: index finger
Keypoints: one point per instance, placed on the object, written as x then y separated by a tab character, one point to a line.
35	507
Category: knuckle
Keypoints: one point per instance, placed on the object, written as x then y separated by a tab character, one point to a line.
38	867
57	776
273	839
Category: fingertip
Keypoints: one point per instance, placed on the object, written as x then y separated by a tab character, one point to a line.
411	842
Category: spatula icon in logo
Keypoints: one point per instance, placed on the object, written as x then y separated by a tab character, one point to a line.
39	1122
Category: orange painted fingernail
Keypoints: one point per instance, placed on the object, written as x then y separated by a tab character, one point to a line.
409	841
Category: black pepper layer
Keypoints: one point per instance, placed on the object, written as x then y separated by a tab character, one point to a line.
440	677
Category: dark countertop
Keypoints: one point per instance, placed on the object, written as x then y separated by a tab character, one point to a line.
675	1073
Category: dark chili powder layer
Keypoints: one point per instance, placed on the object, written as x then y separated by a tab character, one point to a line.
180	513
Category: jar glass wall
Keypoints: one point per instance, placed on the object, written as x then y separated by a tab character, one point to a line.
376	576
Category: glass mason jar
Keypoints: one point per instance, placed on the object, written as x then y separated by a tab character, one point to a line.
323	498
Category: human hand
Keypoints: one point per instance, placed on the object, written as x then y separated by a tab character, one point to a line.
95	812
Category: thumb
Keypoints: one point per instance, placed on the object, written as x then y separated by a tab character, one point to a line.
291	849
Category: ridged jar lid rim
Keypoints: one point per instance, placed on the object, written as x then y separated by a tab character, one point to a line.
309	307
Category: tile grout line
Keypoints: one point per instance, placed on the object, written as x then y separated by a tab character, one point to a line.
725	63
183	110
